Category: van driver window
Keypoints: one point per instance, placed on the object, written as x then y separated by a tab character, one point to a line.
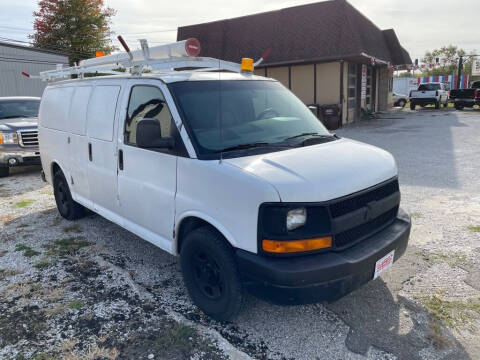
146	102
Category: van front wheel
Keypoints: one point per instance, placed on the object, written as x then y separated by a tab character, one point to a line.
67	207
210	273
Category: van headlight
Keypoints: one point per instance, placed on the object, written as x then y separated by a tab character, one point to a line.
296	218
8	138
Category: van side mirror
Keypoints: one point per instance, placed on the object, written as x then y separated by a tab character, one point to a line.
149	136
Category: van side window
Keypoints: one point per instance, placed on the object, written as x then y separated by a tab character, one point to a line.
146	102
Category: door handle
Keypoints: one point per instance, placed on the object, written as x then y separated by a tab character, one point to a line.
120	159
90	151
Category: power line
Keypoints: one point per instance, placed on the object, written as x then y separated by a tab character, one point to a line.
49	47
14	28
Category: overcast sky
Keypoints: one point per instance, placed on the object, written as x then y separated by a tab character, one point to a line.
421	25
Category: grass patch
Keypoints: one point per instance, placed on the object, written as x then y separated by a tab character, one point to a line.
4	273
474	228
72	228
177	336
56	310
454	314
452	259
27	251
76	304
41	265
416	215
24	203
67	246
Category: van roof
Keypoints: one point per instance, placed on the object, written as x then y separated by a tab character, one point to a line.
175	76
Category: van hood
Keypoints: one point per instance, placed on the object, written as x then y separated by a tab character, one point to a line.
16	124
321	172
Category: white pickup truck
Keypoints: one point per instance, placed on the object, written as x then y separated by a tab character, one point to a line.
433	93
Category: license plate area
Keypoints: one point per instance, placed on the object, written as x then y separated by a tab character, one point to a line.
384	264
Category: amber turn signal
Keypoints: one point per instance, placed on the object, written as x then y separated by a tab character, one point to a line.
285	247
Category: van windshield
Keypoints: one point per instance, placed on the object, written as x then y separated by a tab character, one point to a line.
226	114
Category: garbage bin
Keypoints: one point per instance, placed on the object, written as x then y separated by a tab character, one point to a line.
330	115
315	109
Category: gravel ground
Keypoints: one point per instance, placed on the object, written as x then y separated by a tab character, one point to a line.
95	290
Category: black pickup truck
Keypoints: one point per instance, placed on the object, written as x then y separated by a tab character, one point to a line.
466	97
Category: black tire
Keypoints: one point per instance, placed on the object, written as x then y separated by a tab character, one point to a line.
67	207
402	103
4	171
445	104
210	273
412	106
437	105
458	107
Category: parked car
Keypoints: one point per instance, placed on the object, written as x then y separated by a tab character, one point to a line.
466	97
429	94
399	100
18	132
231	172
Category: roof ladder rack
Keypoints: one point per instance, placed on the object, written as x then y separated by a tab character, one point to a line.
163	58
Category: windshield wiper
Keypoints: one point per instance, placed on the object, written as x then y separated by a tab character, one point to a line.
309	134
12	117
246	146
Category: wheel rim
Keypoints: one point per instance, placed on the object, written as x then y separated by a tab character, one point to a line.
208	276
62	197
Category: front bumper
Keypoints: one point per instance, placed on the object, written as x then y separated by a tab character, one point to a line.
325	276
23	157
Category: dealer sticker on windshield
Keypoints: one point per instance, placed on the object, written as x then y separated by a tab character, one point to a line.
384	263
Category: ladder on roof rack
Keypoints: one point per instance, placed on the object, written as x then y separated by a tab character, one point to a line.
176	56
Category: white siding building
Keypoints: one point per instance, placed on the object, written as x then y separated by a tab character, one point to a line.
14	59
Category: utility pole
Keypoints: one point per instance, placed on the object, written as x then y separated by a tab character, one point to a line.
460	68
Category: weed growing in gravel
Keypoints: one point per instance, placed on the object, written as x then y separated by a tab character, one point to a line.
66	246
416	215
42	265
8	272
474	228
3	253
27	250
452	313
24	203
76	304
177	336
452	259
72	228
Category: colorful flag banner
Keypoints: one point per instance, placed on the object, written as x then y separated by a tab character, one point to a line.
452	80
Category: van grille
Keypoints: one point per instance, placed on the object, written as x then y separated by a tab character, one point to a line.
346	206
352	236
29	139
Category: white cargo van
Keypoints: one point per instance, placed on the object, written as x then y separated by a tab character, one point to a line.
229	171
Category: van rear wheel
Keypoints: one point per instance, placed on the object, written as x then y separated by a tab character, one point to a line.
210	273
67	207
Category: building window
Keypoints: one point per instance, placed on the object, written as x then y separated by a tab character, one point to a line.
352	86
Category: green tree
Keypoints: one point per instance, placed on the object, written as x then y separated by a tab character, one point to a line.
448	61
77	27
